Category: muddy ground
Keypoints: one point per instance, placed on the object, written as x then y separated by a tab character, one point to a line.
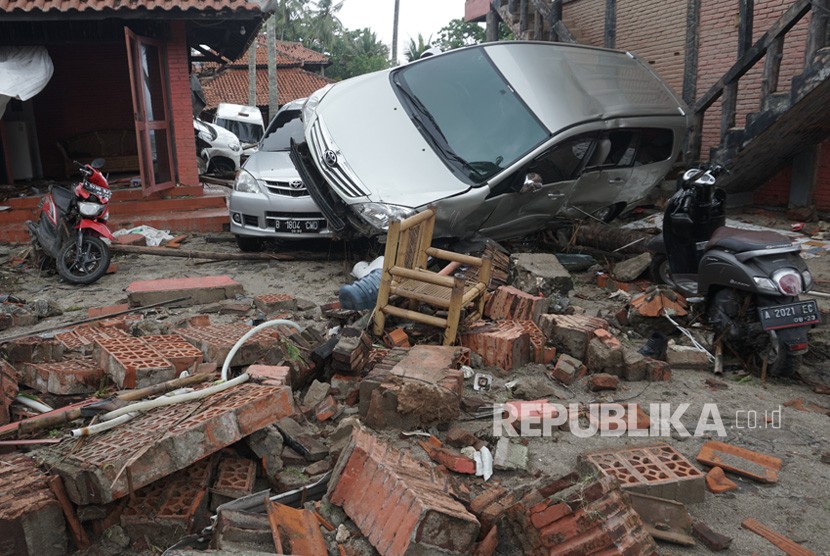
797	506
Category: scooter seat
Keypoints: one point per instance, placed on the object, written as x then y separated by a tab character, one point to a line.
737	240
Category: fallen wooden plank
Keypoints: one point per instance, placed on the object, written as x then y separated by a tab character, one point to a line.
194	254
789	546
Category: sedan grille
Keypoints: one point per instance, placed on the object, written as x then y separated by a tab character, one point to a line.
286	189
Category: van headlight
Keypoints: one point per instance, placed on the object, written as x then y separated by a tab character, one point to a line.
378	215
246	183
234	147
314	99
90	209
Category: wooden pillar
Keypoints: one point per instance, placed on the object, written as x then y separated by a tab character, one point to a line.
610	24
493	21
817	36
538	26
555	17
730	91
523	23
772	65
804	176
690	62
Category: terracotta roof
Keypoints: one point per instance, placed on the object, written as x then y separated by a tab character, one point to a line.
127	5
232	86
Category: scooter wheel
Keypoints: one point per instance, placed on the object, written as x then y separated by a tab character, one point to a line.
86	266
660	270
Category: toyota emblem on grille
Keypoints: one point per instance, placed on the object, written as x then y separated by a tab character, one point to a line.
295	184
330	158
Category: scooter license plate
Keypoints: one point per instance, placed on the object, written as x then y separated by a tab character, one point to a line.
776	317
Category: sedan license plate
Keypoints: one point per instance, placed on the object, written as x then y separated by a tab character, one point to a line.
294	226
802	313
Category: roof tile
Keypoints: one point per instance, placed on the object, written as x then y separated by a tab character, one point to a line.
9	6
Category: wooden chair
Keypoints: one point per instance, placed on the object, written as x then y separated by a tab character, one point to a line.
405	274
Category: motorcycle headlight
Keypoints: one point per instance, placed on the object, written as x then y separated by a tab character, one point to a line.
246	183
788	281
234	147
90	209
378	215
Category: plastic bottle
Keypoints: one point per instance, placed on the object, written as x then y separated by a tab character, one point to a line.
362	294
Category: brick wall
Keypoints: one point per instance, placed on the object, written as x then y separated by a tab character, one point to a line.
180	104
776	192
89	91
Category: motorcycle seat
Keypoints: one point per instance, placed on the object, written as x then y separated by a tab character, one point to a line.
62	197
737	240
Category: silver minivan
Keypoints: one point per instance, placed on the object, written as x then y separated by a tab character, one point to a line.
269	199
500	138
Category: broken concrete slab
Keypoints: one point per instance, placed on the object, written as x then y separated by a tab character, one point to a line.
540	273
657	470
510	456
240	533
412	388
756	466
402	506
316	393
162	441
267	443
631	269
31	519
199	290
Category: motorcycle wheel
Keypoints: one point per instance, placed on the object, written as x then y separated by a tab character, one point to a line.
782	363
660	271
87	266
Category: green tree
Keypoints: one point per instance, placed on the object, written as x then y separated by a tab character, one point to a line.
415	49
458	33
321	25
355	52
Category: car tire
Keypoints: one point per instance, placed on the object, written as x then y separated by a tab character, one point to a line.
221	167
250	244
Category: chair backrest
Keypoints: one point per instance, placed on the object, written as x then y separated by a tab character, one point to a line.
408	240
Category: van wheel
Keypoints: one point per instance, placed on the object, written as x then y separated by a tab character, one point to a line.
660	271
221	167
250	244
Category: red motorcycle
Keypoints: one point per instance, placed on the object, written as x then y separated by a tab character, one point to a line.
71	224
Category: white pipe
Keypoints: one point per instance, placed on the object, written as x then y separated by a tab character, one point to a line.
105	426
276	322
33	404
171	400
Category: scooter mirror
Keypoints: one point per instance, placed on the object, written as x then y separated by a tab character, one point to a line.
98	163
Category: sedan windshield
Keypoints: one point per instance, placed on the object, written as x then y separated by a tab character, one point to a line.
286	126
475	120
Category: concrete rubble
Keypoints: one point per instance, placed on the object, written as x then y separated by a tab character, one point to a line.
339	442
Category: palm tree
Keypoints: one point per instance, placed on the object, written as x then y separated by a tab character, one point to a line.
414	50
395	33
322	25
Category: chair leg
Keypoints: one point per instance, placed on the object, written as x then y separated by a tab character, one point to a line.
454	313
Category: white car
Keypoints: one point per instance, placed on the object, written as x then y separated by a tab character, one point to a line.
269	200
218	149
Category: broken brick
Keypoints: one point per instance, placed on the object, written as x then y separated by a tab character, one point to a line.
568	369
604	357
631	414
72	376
656	301
31	518
351	354
95	312
33	350
131	239
133	363
756	466
163	440
295	531
273	302
657	470
460	438
396	338
571	333
198	290
234	479
504	344
326	409
176	349
712	540
302	440
8	389
509	303
449	458
216	341
717	481
690	359
271	375
602	381
402	506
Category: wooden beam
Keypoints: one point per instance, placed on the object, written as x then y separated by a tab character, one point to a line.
538	26
493	22
563	33
610	24
772	67
690	61
523	16
817	33
554	17
730	91
786	22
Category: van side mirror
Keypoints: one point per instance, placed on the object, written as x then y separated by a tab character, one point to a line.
533	182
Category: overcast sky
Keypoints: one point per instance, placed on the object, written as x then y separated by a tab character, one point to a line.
416	16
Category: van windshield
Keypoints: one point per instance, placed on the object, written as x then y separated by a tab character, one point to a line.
475	120
285	126
246	131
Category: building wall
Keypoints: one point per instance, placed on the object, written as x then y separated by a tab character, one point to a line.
89	91
180	105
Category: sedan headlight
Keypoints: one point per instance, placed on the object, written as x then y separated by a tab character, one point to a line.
378	215
234	147
90	209
246	183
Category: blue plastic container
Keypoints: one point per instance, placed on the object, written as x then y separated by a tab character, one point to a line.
362	294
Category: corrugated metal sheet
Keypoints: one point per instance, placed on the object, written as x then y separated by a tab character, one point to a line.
10	6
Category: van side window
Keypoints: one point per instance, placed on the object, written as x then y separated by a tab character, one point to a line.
655	146
563	161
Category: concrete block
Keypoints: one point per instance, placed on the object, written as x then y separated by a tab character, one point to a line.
132	363
400	505
31	519
199	290
571	333
510	456
176	349
691	360
73	376
163	441
540	273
